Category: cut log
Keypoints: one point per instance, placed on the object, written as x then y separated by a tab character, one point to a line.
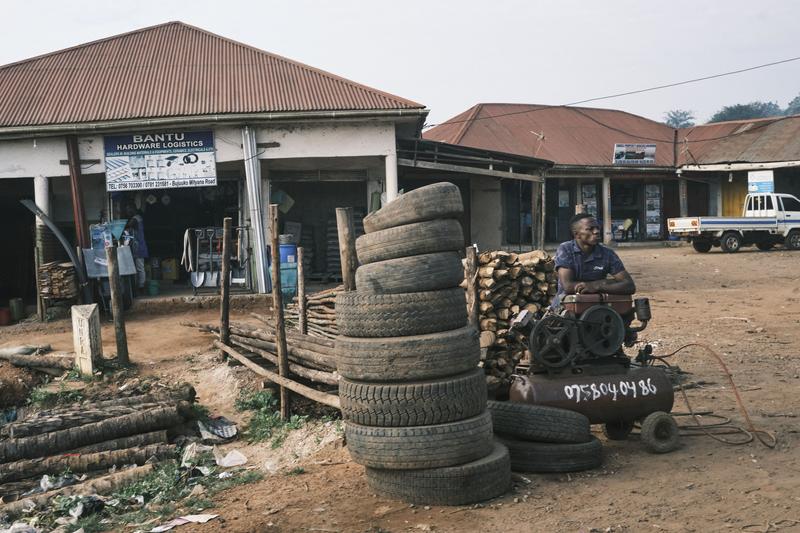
142	439
311	374
77	464
49	361
65	420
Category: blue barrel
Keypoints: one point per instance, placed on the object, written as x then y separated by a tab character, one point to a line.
288	253
288	280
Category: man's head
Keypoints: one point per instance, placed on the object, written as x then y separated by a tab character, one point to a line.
585	229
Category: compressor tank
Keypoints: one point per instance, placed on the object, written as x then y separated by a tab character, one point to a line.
623	397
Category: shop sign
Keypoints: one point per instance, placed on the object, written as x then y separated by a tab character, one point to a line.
634	154
760	181
160	160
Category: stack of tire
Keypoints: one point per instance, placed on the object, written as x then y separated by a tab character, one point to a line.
545	439
412	395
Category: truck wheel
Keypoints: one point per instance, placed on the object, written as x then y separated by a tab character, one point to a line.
793	240
701	246
730	242
765	246
660	433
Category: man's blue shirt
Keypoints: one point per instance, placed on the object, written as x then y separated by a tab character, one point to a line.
600	264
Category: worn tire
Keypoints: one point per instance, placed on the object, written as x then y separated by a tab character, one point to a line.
730	242
538	422
414	357
439	200
410	239
549	457
660	433
418	273
397	315
411	448
415	403
702	247
479	480
792	241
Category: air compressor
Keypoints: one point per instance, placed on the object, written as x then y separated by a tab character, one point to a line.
579	363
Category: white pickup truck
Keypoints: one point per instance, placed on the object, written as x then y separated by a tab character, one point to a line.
768	219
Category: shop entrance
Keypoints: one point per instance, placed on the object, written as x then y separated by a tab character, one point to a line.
17	272
626	205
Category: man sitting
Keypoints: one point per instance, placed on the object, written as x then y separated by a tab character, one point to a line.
584	265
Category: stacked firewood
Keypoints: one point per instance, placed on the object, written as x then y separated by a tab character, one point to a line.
88	438
309	357
509	283
57	280
320	313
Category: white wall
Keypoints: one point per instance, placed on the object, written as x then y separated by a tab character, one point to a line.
343	140
23	159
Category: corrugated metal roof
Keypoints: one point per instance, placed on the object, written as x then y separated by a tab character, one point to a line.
565	135
741	141
171	70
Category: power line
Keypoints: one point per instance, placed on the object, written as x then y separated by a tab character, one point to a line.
627	93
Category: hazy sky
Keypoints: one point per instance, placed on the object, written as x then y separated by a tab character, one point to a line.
450	55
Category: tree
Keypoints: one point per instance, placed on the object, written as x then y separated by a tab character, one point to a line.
745	111
679	118
793	108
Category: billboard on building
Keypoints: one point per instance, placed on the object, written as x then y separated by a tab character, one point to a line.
634	154
160	160
760	181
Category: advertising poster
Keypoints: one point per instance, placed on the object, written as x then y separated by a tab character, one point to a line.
652	198
653	231
760	181
589	195
160	161
634	154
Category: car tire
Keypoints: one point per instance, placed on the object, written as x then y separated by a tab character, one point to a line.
414	357
660	433
547	457
702	247
792	241
730	242
419	273
398	315
414	403
476	481
410	239
418	447
439	200
538	423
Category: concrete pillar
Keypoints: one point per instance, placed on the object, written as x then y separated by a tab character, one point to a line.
683	198
608	235
41	195
86	340
391	177
715	199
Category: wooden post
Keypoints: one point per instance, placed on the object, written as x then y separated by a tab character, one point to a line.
116	305
225	286
471	275
277	310
537	216
302	305
78	212
87	343
608	232
347	246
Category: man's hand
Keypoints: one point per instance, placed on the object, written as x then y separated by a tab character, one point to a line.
587	287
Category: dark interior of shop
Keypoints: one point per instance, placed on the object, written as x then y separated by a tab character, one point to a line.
17	241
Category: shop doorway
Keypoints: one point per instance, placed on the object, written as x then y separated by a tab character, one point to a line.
560	207
17	241
626	204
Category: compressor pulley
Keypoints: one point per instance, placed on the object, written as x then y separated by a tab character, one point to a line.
601	330
554	341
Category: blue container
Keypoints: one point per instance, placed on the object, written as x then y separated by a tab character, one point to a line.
288	254
289	280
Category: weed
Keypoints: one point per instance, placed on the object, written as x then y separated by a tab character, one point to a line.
198	503
266	423
296	471
42	398
250	400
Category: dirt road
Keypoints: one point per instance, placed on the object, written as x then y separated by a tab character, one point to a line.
745	305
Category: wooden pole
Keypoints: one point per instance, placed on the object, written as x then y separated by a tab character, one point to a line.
78	212
277	310
347	246
116	306
471	275
302	304
225	286
302	390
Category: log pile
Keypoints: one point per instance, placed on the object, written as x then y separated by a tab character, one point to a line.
310	357
57	281
509	283
320	313
87	438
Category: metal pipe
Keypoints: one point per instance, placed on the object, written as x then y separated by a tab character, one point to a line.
234	118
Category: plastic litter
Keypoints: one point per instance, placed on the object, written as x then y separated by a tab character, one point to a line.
233	458
188	519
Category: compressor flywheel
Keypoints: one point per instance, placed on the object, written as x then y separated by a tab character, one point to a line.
554	342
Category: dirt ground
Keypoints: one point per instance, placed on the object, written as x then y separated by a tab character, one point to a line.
745	305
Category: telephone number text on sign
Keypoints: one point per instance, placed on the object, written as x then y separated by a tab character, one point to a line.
624	388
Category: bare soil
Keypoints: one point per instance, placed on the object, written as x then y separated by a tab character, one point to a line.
746	306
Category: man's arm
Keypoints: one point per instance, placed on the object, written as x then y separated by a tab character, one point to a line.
620	283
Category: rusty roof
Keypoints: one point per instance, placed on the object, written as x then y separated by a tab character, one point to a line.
171	70
566	135
741	141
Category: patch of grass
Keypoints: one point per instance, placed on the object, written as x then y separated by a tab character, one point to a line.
166	482
89	524
198	503
265	423
250	400
44	399
296	471
200	412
